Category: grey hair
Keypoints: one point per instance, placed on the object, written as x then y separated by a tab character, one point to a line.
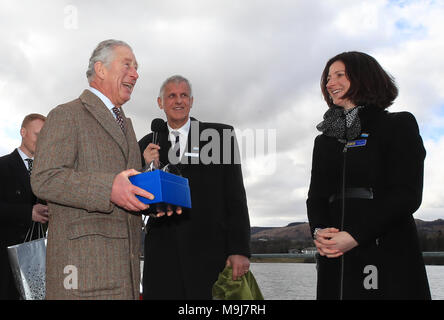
175	79
103	53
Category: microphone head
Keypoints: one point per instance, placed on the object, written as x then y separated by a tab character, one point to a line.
157	125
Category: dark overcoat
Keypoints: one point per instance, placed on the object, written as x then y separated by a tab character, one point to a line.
387	263
185	253
16	202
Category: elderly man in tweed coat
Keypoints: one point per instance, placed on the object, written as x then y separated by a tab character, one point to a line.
84	157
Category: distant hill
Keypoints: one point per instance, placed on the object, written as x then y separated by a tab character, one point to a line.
300	231
294	231
255	230
431	229
436	224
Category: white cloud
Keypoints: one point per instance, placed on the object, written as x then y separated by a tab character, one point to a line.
253	64
433	174
359	17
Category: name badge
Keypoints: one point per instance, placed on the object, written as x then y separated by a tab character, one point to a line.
357	143
192	155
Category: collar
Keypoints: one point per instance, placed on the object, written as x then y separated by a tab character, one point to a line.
182	130
23	155
104	99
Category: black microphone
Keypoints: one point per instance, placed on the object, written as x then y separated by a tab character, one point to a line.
157	125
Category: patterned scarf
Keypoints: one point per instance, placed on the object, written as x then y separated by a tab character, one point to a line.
334	123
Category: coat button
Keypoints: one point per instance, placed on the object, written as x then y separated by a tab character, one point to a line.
18	192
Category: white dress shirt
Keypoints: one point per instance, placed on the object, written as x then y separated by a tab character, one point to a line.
24	156
183	136
104	99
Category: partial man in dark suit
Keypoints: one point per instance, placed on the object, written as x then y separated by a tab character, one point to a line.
185	253
18	205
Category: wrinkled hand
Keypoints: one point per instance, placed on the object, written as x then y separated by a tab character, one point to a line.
40	213
123	192
151	153
239	264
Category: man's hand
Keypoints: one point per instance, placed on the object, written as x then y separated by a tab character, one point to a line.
151	153
169	211
40	213
123	192
239	264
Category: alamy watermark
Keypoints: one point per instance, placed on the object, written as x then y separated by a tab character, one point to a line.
371	280
71	18
71	281
229	147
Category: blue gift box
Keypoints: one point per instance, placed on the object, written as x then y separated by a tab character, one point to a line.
166	188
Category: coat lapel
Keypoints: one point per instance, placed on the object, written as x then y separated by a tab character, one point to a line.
98	109
133	151
165	146
17	165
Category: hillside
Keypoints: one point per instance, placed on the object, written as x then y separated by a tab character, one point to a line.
431	228
294	231
300	231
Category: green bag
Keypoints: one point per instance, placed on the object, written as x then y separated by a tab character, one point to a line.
246	288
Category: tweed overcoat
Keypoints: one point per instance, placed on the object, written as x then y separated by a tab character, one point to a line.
388	157
93	247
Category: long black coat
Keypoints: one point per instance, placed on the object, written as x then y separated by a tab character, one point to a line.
392	164
185	253
16	202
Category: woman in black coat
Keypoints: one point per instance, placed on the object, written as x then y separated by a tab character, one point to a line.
366	183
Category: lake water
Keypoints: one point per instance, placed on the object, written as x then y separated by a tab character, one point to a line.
297	281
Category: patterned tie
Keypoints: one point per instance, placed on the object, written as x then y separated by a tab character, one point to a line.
119	118
176	143
29	165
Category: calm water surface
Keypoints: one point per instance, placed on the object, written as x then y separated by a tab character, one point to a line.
297	281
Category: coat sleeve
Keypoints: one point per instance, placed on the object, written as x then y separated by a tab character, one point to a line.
402	193
55	177
317	201
238	221
15	213
143	143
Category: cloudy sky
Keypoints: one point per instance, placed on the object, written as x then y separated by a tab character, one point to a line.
253	64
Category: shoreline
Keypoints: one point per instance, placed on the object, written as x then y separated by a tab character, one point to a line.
257	258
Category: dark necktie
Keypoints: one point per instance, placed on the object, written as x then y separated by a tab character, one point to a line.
119	118
29	165
176	143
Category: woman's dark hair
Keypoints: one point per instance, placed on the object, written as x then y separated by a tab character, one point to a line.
370	85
